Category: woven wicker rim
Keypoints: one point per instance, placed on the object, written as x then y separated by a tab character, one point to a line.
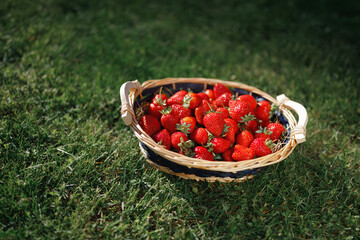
221	166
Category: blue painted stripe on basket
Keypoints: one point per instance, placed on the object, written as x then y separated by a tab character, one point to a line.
195	171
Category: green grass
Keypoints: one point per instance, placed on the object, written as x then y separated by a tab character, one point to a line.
70	168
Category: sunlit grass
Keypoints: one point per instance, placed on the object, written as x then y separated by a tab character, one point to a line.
70	168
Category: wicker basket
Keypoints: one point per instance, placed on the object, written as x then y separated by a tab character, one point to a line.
133	94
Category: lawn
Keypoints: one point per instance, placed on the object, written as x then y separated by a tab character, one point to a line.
71	169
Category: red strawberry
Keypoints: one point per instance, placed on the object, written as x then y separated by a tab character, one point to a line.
238	110
187	125
249	99
262	111
223	100
219	89
203	96
214	123
181	111
199	115
249	122
150	124
177	98
232	130
277	129
210	93
251	126
263	133
223	112
169	120
242	153
219	145
176	139
160	99
264	124
200	111
262	146
244	138
163	138
191	100
264	104
227	155
200	136
154	110
203	153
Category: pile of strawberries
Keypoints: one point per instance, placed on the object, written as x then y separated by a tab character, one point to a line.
212	125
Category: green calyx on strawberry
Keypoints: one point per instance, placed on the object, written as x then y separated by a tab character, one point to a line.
184	127
263	133
225	130
160	99
166	110
247	118
186	101
186	147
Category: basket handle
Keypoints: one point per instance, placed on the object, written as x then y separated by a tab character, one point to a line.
300	128
127	112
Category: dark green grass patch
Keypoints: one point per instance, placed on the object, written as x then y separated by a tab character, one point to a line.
70	168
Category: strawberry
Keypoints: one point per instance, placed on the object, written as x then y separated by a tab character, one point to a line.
200	111
206	104
263	133
150	124
223	112
249	122
191	100
249	99
214	123
177	138
169	119
219	89
262	146
178	98
200	136
244	138
154	110
160	99
203	153
277	129
263	124
262	111
232	130
203	96
181	111
210	93
186	125
251	126
227	155
219	144
242	153
238	109
199	115
223	100
264	104
163	138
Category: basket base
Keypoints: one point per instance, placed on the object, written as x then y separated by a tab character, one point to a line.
192	176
